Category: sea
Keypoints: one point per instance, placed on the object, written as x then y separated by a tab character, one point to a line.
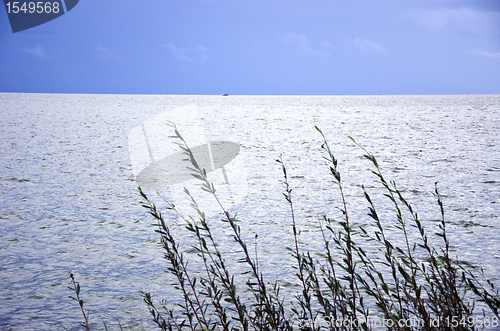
71	164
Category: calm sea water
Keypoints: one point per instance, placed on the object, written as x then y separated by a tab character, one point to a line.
69	199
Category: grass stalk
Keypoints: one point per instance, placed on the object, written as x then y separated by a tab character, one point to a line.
343	282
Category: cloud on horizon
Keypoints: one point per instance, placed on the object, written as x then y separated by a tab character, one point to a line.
180	54
368	46
471	19
301	43
37	51
484	54
103	53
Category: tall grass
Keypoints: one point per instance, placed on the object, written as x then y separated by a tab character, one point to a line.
394	288
346	286
86	323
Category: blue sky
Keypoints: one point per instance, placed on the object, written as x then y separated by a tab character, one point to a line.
258	47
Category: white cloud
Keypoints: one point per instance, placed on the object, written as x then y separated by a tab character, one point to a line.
485	54
178	53
181	54
434	19
37	51
202	48
302	43
103	53
294	39
327	44
368	46
473	20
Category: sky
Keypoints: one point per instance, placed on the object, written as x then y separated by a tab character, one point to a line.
256	47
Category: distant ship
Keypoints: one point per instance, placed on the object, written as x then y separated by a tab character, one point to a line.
225	95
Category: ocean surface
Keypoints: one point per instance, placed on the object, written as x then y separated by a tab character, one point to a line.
69	200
